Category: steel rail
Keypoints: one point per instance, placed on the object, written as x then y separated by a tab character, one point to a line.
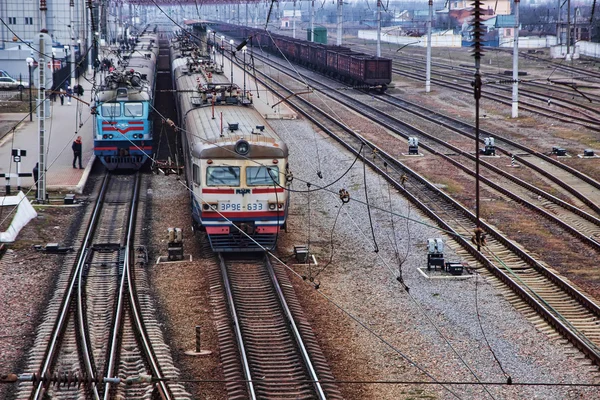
541	110
426	114
297	336
581	343
114	342
590	181
497	170
238	331
163	388
60	325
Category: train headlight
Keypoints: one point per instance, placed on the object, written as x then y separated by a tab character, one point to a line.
110	136
242	147
280	206
135	135
272	206
104	136
210	207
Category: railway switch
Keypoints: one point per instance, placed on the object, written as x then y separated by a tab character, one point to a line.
175	244
559	151
413	146
490	147
435	253
588	153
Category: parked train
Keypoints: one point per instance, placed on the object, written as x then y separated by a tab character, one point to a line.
342	63
236	166
123	103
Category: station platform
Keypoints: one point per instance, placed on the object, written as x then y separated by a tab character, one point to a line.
65	123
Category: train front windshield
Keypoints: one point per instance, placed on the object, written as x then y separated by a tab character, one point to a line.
223	176
134	109
111	110
262	176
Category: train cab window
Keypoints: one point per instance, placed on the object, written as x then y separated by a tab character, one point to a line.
134	109
223	176
262	176
196	174
111	109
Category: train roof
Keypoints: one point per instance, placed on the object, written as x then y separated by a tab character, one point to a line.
211	139
213	131
141	61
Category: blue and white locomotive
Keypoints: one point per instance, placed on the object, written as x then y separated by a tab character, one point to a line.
236	165
123	104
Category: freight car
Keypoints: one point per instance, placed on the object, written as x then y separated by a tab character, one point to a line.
358	69
123	103
236	166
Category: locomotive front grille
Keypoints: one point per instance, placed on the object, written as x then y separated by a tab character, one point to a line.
237	242
125	159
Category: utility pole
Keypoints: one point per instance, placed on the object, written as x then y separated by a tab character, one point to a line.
428	71
568	28
72	31
294	22
90	34
378	28
339	22
312	21
515	84
44	40
477	86
43	10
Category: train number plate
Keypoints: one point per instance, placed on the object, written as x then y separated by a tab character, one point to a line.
259	206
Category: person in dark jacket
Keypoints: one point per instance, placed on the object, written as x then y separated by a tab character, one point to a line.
77	151
36	171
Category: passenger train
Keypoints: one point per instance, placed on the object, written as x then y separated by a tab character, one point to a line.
123	103
236	166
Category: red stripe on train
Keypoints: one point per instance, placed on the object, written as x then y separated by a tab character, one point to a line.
243	214
218	191
268	190
224	230
131	128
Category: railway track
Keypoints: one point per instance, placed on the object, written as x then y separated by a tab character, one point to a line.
99	327
579	223
566	309
533	96
268	348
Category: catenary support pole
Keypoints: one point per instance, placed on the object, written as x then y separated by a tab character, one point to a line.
340	22
428	70
515	75
378	28
41	107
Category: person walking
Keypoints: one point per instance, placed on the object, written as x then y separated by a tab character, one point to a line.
62	97
77	151
69	94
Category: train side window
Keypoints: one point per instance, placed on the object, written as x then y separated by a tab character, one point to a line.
262	176
111	109
223	176
134	109
196	174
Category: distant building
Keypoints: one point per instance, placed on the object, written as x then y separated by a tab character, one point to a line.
24	20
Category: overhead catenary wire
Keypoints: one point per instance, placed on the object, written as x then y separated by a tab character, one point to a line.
367	204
